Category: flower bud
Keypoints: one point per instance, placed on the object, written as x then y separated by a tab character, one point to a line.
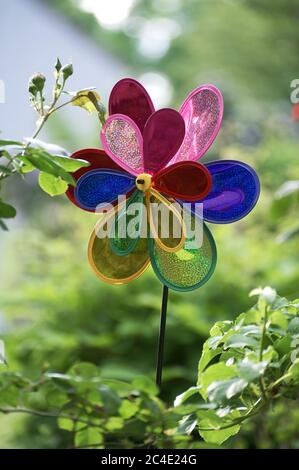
67	71
58	65
38	80
32	88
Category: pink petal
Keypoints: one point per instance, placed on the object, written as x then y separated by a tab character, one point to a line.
130	98
122	141
162	137
202	112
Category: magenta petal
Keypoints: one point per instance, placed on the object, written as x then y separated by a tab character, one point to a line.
130	98
202	112
162	137
122	141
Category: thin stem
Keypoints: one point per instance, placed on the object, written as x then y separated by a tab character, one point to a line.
61	106
252	412
41	103
262	344
278	381
161	340
44	414
263	337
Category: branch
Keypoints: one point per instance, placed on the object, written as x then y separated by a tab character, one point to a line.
45	414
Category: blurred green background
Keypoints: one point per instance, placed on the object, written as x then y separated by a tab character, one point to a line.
53	310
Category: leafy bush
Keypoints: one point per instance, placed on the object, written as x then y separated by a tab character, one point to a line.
247	366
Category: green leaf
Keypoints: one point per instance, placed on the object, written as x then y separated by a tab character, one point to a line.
269	354
209	420
185	395
66	423
87	99
279	318
283	345
207	356
44	162
294	371
220	327
293	327
187	424
241	341
249	370
26	167
114	423
51	184
127	409
145	384
3	143
89	437
110	399
7	211
215	372
223	390
85	370
217	436
288	188
70	164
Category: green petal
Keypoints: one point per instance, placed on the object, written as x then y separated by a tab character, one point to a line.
122	244
188	268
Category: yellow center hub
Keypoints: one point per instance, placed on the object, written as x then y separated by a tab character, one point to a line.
143	182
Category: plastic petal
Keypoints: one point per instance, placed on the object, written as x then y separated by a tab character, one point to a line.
235	191
188	268
102	187
130	98
110	267
162	137
165	221
184	180
127	226
122	140
202	112
97	159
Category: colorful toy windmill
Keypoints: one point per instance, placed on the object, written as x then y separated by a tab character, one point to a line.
150	156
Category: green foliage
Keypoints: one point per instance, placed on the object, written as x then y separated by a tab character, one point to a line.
54	313
246	365
22	157
96	412
53	185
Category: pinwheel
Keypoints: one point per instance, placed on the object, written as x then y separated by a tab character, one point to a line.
150	156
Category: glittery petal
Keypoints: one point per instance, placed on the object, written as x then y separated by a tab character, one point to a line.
125	232
122	141
184	180
235	191
130	98
97	159
162	137
110	267
202	112
188	268
102	187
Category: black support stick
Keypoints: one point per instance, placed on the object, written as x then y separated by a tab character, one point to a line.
161	337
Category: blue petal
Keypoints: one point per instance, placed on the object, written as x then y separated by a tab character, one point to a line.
102	186
235	191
